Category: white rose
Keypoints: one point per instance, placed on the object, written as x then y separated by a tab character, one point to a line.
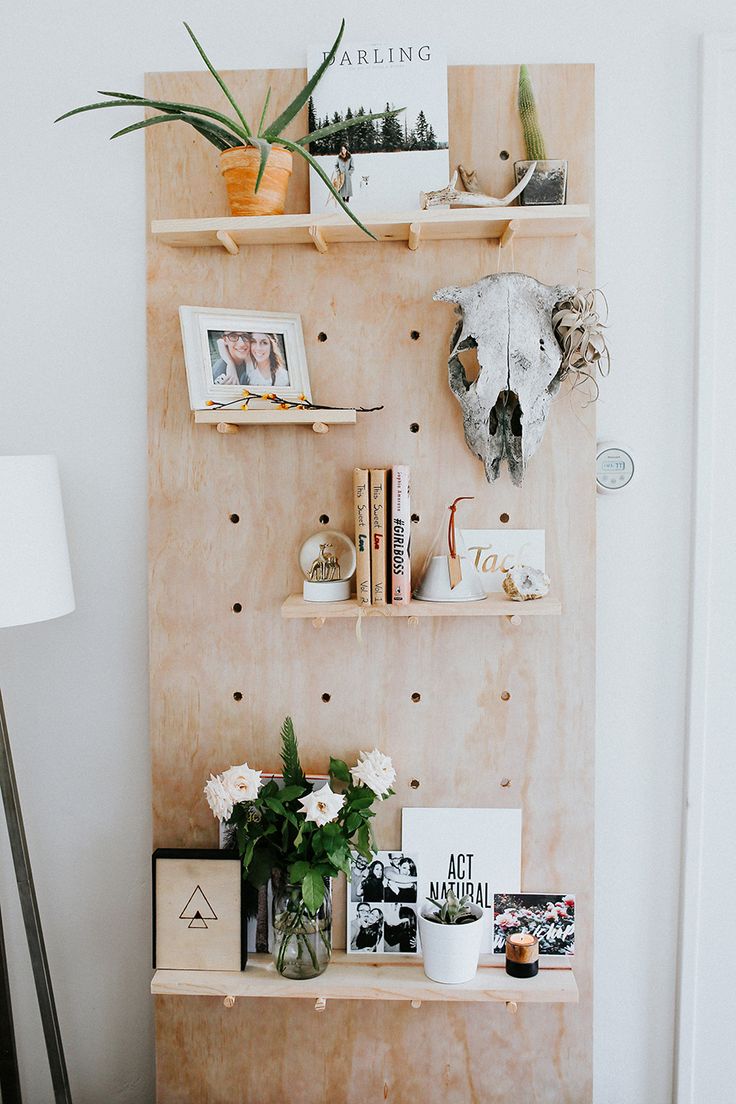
375	770
242	783
218	798
321	806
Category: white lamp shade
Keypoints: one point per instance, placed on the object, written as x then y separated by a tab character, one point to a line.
35	578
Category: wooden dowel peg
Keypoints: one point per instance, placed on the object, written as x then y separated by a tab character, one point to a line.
514	619
508	233
227	240
415	233
413	620
512	1007
229	1002
320	1004
416	1004
318	622
226	427
320	427
318	238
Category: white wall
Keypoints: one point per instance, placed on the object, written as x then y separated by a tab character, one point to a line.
73	382
707	998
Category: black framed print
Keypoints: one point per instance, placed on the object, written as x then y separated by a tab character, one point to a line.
199	919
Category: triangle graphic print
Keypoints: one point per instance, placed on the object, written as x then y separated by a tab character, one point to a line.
197	910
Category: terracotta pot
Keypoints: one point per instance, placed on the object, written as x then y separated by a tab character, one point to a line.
239	166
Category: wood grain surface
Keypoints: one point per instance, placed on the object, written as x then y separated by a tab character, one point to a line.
497	702
371	977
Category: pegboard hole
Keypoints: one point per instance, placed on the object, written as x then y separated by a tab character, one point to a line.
326	697
321	336
237	607
414	783
414	427
235	518
416	697
415	518
414	335
237	696
505	695
324	519
504	518
504	155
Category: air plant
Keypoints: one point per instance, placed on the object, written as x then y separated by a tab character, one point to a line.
452	910
579	330
228	132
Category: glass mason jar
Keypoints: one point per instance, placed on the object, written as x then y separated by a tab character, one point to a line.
302	943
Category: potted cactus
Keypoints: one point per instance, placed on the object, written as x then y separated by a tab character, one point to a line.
451	933
256	161
548	184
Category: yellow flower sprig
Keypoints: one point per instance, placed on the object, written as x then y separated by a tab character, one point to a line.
281	403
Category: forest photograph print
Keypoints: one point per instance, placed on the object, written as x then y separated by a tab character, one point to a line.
379	164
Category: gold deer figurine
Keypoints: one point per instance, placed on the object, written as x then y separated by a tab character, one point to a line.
326	567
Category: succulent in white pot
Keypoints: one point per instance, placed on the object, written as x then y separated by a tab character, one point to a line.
451	932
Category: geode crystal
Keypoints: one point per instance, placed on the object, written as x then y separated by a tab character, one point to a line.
524	583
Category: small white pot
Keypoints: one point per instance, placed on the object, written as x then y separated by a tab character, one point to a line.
451	951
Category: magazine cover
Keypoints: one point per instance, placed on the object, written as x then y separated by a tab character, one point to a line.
383	164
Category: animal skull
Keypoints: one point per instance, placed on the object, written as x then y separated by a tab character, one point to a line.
508	318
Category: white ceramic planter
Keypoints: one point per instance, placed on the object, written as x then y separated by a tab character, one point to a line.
451	951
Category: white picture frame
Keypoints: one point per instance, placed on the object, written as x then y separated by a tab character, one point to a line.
272	361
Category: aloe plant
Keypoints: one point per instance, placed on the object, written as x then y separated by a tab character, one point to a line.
226	132
533	137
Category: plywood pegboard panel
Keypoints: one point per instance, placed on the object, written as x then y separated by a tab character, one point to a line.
462	739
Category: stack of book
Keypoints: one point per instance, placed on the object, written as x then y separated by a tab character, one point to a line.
382	535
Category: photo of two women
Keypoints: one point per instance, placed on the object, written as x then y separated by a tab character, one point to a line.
244	358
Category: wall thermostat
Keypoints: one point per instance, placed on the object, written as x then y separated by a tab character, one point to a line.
614	467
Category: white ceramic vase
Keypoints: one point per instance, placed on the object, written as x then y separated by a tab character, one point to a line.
451	951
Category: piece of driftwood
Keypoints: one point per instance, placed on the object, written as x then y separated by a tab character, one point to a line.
508	319
450	196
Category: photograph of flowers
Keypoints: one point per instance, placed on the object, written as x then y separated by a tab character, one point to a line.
549	916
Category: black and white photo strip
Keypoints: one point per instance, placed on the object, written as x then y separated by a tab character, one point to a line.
549	916
382	904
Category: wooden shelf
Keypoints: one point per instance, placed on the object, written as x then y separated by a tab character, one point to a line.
413	227
494	605
228	421
357	977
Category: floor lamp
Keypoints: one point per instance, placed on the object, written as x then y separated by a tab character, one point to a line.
35	585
